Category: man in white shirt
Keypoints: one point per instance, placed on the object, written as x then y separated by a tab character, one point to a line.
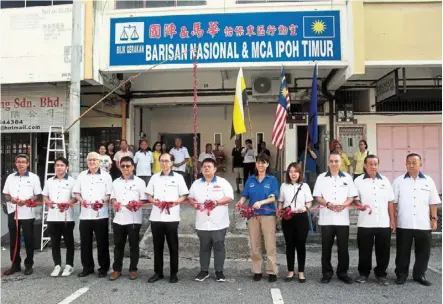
204	155
211	229
375	191
334	190
416	200
248	153
58	190
127	221
93	189
166	186
122	152
20	187
181	156
144	160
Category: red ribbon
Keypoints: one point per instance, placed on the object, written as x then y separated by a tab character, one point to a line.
207	206
165	206
286	213
134	206
31	204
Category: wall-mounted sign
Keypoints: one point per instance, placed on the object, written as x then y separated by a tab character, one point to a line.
387	86
223	38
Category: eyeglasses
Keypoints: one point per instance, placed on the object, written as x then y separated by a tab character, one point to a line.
125	166
92	159
21	162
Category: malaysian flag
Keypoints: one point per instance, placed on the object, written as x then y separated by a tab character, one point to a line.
278	133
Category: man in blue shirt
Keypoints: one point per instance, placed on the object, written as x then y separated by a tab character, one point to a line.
311	165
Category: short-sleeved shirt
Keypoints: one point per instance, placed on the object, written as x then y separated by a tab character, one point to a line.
237	158
413	197
287	195
376	193
22	187
359	159
59	191
156	164
311	163
217	189
179	156
120	154
249	155
105	162
93	188
335	190
256	191
143	161
166	188
205	155
125	191
345	163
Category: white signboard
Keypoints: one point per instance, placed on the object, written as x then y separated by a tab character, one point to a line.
387	86
34	109
36	44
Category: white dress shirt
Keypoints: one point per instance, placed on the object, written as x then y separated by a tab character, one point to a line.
288	191
166	188
205	155
124	191
144	161
22	187
179	156
375	193
92	188
335	190
120	154
215	190
413	197
59	191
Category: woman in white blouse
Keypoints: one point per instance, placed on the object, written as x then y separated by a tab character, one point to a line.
296	195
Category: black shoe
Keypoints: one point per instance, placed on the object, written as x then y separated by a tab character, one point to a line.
219	276
325	279
400	281
361	279
202	275
289	279
28	271
346	279
12	270
173	278
272	278
382	281
257	277
155	278
422	280
85	273
102	274
302	280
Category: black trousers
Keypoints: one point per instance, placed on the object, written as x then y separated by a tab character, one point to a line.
121	234
56	230
365	241
101	230
295	232
328	233
160	231
422	242
248	169
28	234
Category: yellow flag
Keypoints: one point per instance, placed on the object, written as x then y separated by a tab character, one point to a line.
240	100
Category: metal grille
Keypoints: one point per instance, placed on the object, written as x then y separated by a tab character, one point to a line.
411	106
11	146
349	138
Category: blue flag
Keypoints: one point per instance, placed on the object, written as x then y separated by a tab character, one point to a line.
313	123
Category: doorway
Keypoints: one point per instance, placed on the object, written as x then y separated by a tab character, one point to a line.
320	146
187	141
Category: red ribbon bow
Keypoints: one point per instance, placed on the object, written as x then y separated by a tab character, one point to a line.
97	205
285	213
165	206
63	207
31	203
247	211
133	206
207	206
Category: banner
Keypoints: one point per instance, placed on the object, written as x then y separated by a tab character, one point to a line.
226	38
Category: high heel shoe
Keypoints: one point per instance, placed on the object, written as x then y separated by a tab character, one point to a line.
302	280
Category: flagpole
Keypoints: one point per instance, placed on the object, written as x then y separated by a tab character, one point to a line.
306	148
249	119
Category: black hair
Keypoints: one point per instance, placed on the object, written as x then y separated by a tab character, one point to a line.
372	156
170	155
413	155
209	144
127	159
262	158
208	160
63	160
102	145
142	140
22	156
334	153
123	140
107	145
248	141
364	141
157	143
299	169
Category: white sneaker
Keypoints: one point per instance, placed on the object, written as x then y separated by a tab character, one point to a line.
56	271
68	271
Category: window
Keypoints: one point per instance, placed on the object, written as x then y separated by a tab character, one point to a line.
130	4
31	3
218	139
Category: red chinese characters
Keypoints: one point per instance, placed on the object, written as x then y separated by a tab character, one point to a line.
184	33
155	31
250	30
239	31
293	30
169	30
213	28
282	30
260	30
270	30
228	31
197	30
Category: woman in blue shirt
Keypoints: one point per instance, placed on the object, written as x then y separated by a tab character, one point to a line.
261	190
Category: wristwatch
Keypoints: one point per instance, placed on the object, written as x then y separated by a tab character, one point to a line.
434	218
327	205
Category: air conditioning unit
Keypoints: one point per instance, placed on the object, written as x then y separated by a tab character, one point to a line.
263	86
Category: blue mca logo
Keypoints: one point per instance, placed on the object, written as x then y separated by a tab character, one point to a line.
318	27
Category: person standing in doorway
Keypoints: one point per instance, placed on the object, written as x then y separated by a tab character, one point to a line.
94	186
19	187
237	163
310	166
334	190
416	200
124	151
144	160
181	156
359	158
58	189
248	153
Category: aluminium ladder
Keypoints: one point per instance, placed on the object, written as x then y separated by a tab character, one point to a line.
56	148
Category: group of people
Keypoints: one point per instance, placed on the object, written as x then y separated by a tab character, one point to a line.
408	207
